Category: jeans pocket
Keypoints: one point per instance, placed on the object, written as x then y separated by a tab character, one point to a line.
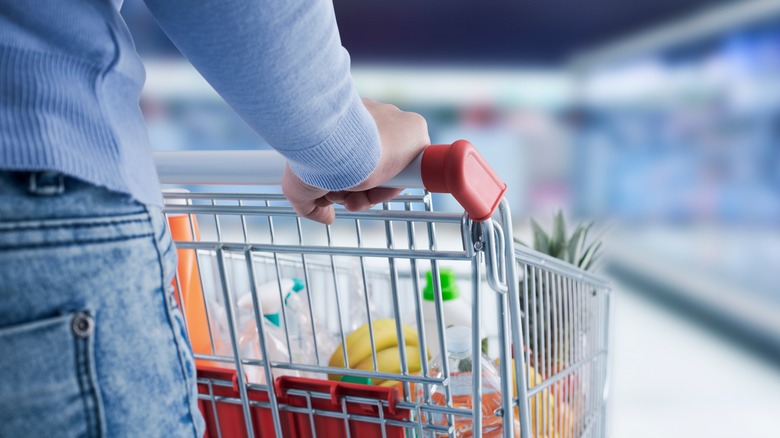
49	384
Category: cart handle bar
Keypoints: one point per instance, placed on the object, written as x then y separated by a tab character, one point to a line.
457	169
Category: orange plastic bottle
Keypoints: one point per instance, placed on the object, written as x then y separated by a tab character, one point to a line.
184	228
460	360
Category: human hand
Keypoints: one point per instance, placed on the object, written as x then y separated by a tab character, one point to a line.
403	136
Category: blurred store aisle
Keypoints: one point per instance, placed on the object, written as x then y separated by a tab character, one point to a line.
674	378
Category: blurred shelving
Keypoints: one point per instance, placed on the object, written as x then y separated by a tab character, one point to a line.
728	276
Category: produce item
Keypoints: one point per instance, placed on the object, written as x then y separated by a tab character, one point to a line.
545	309
389	361
454	309
544	410
359	345
574	249
460	362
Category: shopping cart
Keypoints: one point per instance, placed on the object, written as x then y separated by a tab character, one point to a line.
544	323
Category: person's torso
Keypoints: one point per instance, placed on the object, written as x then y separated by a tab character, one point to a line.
70	82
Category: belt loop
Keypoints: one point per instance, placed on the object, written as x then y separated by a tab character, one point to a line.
46	183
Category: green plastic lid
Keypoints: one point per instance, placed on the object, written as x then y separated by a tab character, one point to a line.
449	290
357	379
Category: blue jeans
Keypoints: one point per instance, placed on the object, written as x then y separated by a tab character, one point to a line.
92	342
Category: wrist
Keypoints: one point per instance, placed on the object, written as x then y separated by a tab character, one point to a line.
346	158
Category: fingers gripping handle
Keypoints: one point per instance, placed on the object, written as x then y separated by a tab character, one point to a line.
457	169
460	170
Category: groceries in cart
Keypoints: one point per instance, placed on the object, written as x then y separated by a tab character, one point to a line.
454	309
382	347
460	364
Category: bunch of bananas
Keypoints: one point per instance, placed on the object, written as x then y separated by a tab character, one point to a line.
388	356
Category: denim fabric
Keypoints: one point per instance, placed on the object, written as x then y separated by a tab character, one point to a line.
91	340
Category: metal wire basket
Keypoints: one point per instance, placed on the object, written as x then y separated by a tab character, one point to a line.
369	270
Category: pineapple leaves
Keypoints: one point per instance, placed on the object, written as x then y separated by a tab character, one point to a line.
589	255
541	241
592	262
576	249
558	240
571	254
585	237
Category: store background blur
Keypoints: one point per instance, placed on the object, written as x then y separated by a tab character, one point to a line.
660	118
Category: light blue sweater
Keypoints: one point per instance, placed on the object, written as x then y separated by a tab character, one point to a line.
70	82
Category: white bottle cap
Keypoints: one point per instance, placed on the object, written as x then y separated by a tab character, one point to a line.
458	339
269	296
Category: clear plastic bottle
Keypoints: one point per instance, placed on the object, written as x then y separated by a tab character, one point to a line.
357	294
456	311
276	344
296	320
460	362
299	323
249	348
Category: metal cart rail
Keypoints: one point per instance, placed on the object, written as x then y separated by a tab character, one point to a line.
546	322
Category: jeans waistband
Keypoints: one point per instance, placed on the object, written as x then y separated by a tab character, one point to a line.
41	195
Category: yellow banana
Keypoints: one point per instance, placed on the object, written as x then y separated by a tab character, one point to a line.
359	342
390	383
389	361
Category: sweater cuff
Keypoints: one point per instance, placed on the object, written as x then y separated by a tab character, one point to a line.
346	157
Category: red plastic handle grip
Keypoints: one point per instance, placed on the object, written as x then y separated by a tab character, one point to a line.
338	390
460	170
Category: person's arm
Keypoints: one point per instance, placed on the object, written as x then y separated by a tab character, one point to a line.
281	66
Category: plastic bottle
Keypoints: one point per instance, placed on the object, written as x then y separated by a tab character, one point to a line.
299	323
184	228
456	311
460	362
249	348
357	294
270	302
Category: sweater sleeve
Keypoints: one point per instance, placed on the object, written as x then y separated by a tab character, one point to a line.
281	66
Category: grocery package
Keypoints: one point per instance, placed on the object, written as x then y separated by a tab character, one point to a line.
460	362
455	310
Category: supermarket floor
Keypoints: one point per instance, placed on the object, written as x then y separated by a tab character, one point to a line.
675	378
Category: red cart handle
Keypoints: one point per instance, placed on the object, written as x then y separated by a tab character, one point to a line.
460	170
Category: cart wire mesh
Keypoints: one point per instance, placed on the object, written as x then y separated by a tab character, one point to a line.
544	324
